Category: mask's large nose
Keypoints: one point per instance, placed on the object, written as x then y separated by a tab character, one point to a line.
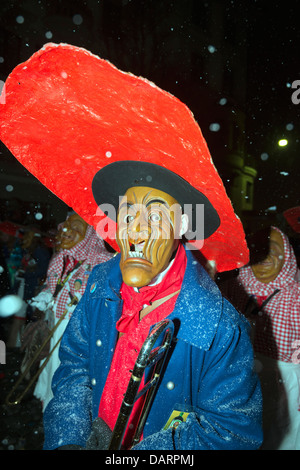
138	229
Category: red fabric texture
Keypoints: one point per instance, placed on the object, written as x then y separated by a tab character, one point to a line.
129	344
120	117
260	299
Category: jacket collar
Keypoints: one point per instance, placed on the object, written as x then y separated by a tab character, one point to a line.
198	307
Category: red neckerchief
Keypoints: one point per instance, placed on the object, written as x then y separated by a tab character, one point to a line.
134	301
260	299
130	343
70	263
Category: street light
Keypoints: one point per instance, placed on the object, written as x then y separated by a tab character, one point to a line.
282	142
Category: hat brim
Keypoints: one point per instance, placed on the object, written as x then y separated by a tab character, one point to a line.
112	182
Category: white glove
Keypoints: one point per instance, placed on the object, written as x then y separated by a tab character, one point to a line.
42	301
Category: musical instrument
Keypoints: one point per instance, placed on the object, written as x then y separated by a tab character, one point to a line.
148	356
18	398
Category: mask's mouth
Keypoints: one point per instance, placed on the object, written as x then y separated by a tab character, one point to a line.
67	236
67	233
265	262
136	250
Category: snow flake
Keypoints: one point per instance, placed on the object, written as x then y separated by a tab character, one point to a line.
211	49
214	127
20	19
77	19
223	101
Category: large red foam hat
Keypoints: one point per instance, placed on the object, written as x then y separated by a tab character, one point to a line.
66	114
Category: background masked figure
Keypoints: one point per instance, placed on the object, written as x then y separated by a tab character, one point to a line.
80	249
35	261
267	292
209	377
28	278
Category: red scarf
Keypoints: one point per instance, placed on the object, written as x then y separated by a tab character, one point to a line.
135	333
260	299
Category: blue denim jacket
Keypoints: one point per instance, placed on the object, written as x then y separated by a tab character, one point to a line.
209	374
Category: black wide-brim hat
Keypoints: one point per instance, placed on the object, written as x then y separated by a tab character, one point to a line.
111	182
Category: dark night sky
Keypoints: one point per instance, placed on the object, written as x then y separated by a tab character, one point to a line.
273	51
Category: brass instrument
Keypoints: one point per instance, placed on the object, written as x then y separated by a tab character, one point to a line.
147	357
18	399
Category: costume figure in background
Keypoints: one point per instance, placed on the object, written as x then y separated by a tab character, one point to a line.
209	374
14	255
29	278
11	259
268	293
35	261
80	250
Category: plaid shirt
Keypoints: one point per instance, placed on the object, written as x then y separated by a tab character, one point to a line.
88	253
277	325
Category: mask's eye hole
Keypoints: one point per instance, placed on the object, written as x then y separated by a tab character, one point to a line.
154	217
128	218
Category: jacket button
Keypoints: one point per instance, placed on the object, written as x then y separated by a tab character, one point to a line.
170	385
99	342
93	381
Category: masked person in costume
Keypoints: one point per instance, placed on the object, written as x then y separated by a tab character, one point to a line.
30	276
140	144
209	372
80	250
268	293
